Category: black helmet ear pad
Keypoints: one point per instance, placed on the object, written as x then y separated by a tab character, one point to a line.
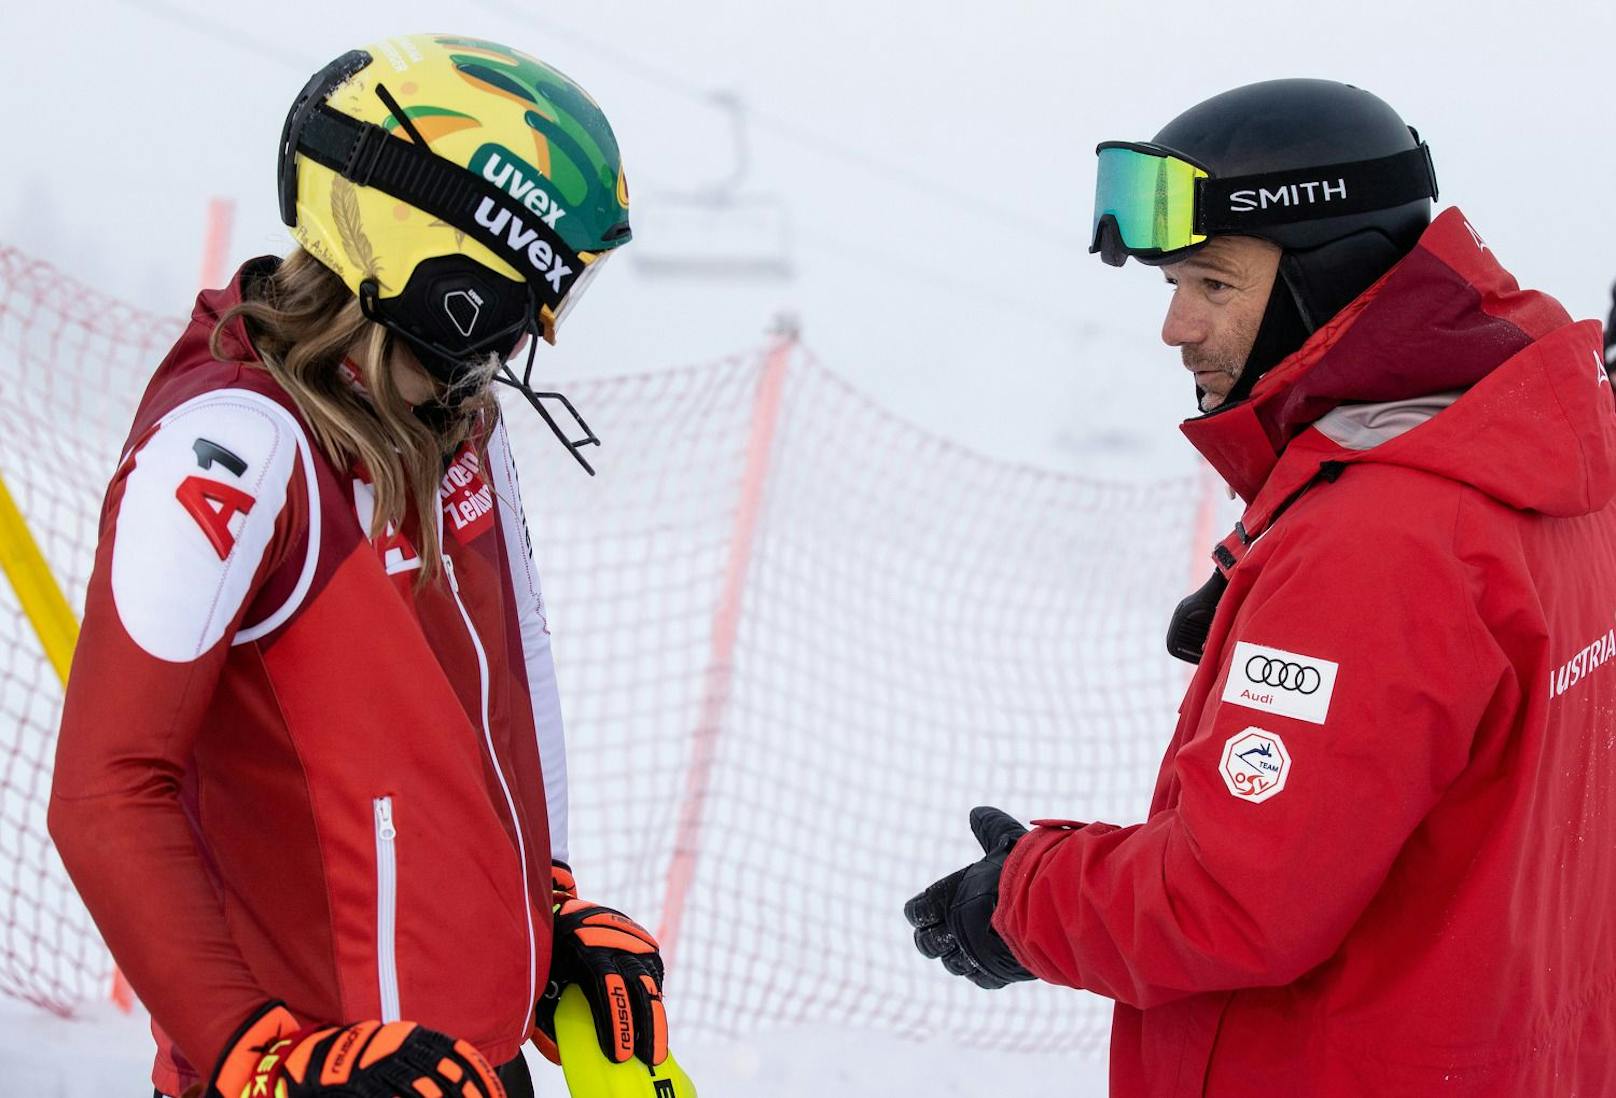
1325	279
454	309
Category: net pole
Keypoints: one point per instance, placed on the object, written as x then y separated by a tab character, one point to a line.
216	242
1206	517
726	626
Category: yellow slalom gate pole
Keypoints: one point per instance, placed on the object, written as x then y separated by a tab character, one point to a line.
37	590
47	610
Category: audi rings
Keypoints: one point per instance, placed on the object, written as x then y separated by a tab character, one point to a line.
1297	677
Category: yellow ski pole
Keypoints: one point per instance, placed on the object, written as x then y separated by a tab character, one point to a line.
47	610
37	590
590	1074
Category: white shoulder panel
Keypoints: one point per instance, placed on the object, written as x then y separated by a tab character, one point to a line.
198	511
543	694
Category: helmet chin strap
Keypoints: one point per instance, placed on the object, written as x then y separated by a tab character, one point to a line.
438	414
1281	333
451	373
524	385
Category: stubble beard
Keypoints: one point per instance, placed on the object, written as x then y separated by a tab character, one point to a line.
1198	359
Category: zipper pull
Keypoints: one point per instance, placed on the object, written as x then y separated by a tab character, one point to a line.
448	570
384	818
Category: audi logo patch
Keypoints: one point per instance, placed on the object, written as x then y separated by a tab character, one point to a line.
1276	681
1303	678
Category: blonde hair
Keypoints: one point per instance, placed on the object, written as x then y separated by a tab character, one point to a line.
305	324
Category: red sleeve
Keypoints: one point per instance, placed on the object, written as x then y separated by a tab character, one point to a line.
1295	798
195	519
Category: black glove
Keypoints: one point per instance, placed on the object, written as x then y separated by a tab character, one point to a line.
953	919
616	963
1610	333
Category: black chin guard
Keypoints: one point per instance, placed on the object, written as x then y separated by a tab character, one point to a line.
453	312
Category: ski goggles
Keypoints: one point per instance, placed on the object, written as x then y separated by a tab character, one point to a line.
550	317
1150	201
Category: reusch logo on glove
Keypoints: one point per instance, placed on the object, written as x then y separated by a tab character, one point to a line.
625	1027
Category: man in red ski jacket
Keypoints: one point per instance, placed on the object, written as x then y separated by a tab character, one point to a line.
1381	854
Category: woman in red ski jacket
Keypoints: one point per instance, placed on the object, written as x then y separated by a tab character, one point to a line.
311	780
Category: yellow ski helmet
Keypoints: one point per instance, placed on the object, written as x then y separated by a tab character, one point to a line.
466	192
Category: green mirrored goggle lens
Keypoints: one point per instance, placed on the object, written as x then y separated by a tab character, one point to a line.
1150	195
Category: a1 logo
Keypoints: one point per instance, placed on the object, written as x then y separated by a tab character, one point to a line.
213	504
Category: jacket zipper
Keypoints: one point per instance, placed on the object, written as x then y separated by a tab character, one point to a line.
510	802
386	909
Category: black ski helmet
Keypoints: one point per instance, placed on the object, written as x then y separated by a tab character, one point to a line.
1298	125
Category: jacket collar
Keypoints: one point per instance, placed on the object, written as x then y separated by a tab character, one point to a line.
1443	318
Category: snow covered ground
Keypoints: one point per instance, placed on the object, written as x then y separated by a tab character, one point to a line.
110	1054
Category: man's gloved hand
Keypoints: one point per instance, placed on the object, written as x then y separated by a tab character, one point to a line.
616	963
1610	333
953	919
273	1056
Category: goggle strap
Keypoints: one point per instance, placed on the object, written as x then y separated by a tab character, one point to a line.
1232	204
369	156
314	94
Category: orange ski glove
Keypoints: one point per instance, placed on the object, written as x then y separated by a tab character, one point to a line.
272	1057
616	963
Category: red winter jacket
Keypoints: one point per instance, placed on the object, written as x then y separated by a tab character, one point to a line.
1381	856
285	773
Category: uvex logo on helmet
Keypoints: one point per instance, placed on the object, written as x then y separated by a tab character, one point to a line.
1313	192
504	170
500	220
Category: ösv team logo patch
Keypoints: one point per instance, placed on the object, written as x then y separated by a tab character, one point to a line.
1276	681
1255	765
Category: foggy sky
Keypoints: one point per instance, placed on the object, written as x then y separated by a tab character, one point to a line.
934	160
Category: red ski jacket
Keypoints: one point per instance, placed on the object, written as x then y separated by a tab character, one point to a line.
285	773
1381	855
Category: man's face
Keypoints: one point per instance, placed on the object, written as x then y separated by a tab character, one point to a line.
1219	296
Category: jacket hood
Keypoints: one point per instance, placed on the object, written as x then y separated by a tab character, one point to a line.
1472	378
212	304
184	370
